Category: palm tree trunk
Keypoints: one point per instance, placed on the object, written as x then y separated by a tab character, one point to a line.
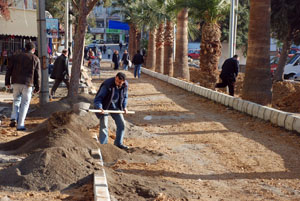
151	52
181	69
168	48
159	66
258	83
78	50
130	45
283	56
210	54
138	41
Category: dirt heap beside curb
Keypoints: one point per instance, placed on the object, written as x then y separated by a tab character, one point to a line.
59	155
286	96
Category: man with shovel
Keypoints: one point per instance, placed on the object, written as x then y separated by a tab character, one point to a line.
112	95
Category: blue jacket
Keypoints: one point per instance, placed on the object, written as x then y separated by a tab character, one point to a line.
105	94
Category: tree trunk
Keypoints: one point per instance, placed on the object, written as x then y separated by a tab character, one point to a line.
181	69
257	82
210	54
138	41
159	66
132	41
168	48
130	45
78	50
151	52
282	60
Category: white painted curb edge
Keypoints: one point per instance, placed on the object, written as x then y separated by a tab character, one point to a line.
277	117
100	186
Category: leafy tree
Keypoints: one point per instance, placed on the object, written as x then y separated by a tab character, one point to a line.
82	9
285	25
257	83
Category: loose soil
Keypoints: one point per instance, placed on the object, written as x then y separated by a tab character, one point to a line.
183	147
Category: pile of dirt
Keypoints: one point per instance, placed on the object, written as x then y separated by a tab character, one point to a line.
286	96
63	104
58	155
197	77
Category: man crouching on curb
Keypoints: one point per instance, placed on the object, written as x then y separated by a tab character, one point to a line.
112	95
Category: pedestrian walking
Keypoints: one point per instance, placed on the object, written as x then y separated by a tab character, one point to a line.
137	60
101	49
60	72
112	95
125	60
116	59
230	70
109	52
120	45
23	73
104	49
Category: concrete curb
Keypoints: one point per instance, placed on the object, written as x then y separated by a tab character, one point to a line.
276	117
100	186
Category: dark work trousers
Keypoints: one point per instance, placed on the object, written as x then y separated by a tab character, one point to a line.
225	83
56	84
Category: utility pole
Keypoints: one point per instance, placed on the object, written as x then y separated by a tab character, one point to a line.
42	51
233	27
66	24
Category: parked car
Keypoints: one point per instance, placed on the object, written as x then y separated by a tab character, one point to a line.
292	67
194	54
274	62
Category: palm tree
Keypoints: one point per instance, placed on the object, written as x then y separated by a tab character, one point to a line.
257	83
159	67
209	12
168	48
151	52
181	68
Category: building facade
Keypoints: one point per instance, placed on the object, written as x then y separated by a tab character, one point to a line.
102	32
19	29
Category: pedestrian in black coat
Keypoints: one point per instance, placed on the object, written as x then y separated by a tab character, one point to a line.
116	59
60	72
230	70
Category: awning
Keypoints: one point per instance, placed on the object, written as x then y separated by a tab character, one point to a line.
21	23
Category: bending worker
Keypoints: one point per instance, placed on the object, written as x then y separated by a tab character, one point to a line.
112	95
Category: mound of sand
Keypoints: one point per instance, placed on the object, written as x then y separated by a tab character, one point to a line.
59	154
286	96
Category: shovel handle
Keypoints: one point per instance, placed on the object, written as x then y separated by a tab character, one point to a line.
111	111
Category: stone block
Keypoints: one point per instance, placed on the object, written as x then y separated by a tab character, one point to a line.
281	118
236	103
289	121
261	112
245	106
274	116
255	110
250	108
240	105
231	101
102	192
219	97
267	115
296	124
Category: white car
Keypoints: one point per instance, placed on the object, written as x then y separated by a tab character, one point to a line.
292	67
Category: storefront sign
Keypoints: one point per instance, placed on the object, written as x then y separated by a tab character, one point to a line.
52	27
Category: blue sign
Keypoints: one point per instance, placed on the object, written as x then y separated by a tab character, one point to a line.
52	27
118	25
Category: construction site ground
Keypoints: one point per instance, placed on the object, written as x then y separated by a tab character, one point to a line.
183	147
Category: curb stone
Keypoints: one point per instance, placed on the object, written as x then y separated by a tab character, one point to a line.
277	117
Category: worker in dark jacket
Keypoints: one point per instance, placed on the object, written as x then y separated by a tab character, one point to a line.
230	70
23	73
112	95
137	60
116	59
60	72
